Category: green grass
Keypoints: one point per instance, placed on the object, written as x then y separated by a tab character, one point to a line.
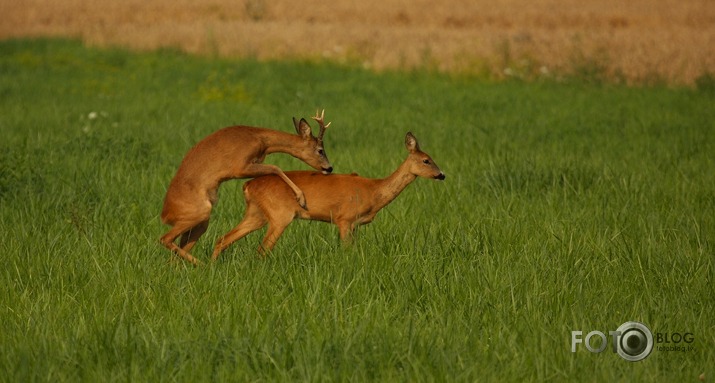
567	206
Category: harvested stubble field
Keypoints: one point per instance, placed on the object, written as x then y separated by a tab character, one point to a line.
636	42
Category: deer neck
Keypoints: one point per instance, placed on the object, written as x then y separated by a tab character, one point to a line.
281	142
389	188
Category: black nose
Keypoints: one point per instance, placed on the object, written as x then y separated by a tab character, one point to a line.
440	176
328	170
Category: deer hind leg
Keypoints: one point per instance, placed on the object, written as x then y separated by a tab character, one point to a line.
255	170
189	238
168	240
252	221
276	226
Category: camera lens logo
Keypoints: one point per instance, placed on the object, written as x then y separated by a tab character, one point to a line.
635	341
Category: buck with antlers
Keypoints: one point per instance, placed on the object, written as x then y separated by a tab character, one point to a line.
233	152
347	200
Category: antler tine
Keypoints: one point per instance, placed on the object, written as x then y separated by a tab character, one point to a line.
318	116
320	119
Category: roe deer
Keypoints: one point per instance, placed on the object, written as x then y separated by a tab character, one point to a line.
346	200
233	152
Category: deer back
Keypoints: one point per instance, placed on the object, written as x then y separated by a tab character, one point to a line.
328	196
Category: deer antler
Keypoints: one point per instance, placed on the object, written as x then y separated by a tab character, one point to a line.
320	119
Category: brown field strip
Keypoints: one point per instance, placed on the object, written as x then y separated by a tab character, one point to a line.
637	41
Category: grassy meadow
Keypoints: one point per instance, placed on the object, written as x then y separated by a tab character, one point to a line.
567	206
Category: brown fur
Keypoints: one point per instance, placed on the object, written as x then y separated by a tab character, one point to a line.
234	152
347	200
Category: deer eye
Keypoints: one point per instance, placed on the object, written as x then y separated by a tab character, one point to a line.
321	152
426	161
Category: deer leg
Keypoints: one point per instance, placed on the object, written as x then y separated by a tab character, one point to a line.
189	238
276	227
252	221
269	241
255	170
347	231
168	241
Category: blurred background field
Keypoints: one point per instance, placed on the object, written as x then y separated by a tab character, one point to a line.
634	42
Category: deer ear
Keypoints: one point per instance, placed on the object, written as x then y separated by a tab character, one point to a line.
411	143
302	128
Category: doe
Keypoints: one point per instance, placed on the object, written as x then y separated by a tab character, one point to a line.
347	200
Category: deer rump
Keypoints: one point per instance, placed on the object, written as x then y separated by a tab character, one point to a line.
330	198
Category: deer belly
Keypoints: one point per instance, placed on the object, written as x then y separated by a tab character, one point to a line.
314	216
365	219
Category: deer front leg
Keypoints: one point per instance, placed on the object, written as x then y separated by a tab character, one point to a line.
347	231
255	170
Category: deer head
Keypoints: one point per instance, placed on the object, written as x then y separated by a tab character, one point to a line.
314	155
421	164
